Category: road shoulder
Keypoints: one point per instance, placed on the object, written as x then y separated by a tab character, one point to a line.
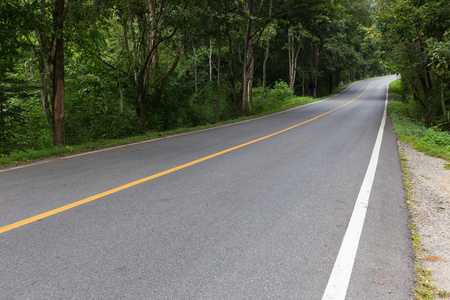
430	210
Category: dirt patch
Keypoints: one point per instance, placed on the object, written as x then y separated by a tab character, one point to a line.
430	209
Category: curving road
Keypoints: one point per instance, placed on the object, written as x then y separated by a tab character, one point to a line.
253	210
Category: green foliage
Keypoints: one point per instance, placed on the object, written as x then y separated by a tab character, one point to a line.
22	124
415	36
432	141
279	93
117	63
274	98
93	109
438	138
202	105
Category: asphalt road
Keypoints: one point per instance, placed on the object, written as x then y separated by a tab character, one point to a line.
263	220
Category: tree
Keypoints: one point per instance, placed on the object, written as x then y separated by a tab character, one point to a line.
294	46
146	25
49	51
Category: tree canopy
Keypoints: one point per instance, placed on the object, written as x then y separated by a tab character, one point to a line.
415	36
72	71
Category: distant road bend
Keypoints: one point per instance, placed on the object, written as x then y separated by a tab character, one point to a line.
303	204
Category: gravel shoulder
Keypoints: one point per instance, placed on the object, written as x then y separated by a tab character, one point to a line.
430	209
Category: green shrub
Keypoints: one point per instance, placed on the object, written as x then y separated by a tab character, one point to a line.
435	136
274	98
280	92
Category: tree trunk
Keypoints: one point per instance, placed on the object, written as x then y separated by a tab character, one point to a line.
121	96
293	51
316	67
218	75
142	96
56	63
266	57
187	72
154	39
246	86
233	74
135	62
426	92
144	53
303	86
250	80
210	59
444	108
42	56
195	69
290	50
416	94
331	83
44	95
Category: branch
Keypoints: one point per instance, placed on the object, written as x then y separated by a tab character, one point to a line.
109	65
150	54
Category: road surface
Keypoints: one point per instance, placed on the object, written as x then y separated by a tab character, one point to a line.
255	210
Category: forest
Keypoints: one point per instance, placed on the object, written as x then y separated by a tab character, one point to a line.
74	71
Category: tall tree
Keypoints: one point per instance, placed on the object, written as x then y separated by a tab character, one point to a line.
49	32
257	14
147	24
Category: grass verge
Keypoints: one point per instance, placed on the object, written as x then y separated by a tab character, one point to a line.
432	142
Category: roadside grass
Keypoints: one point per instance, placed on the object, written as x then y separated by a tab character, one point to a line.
28	155
432	142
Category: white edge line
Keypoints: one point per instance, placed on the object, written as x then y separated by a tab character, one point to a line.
68	155
340	276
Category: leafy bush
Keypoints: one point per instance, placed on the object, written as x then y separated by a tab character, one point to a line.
437	137
280	92
274	98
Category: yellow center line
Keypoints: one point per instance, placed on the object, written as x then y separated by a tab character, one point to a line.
134	183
